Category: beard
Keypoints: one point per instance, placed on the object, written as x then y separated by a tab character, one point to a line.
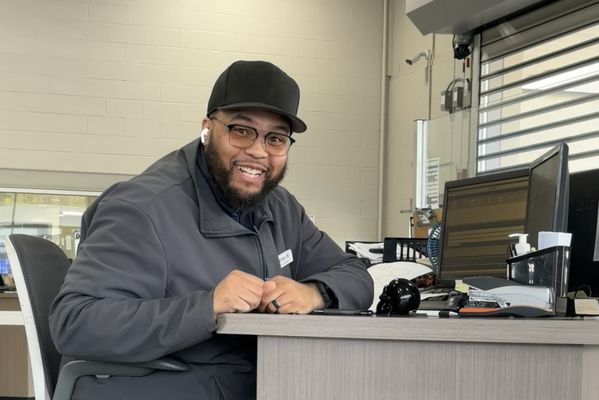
223	175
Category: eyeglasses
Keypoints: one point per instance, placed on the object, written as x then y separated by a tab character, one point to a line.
243	137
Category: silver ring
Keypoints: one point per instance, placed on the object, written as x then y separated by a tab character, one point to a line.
275	304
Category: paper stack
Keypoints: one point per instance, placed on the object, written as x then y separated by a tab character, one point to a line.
508	294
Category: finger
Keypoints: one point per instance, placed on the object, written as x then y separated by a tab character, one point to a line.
268	294
266	306
293	303
294	308
240	305
280	280
251	298
252	287
269	286
285	309
267	298
246	300
273	307
251	283
238	291
243	277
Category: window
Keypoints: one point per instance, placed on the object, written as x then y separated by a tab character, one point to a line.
539	85
55	216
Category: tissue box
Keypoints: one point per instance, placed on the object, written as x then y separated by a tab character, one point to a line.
549	267
553	239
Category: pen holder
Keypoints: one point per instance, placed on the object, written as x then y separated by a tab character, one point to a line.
549	267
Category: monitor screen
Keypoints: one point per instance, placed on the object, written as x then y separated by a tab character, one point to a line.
583	223
4	265
478	215
547	205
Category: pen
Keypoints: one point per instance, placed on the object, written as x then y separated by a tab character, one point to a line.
435	314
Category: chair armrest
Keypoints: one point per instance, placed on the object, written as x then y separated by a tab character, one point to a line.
73	370
164	363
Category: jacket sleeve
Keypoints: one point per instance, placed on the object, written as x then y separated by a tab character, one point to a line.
112	305
321	259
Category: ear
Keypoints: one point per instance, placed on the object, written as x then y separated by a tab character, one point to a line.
204	135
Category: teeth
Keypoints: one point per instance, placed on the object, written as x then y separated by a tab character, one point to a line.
250	171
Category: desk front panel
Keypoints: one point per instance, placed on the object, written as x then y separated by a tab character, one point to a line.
320	357
15	369
349	369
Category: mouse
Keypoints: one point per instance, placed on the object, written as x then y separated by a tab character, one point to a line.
454	303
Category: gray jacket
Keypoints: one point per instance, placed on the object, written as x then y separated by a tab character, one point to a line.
152	251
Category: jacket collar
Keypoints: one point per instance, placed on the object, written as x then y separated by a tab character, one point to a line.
213	221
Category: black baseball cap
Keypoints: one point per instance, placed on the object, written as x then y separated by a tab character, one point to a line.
257	85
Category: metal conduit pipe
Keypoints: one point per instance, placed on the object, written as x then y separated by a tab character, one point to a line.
383	120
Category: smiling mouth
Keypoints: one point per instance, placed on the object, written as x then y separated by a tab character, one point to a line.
253	172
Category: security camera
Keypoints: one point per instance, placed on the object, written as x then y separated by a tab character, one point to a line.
411	61
462	46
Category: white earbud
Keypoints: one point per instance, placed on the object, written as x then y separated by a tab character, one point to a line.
204	135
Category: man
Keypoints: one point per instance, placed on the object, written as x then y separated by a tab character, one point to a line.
205	230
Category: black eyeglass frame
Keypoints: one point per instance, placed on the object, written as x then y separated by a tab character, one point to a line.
257	135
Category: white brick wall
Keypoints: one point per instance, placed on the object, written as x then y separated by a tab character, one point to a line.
108	86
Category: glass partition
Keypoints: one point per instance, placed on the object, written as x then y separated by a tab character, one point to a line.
55	216
444	152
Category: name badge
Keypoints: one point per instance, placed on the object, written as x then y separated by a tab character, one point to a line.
285	258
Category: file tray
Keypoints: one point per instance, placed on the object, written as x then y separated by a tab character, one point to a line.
549	267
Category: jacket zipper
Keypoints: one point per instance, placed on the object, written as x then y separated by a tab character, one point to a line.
260	253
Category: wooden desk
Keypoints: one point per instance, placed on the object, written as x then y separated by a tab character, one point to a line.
334	357
15	368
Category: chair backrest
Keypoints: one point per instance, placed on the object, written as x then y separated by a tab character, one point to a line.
39	268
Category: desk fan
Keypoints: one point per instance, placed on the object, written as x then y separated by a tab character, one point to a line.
432	246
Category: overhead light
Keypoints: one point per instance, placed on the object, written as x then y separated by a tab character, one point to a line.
71	213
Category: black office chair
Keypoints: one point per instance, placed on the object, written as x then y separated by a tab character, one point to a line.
410	249
396	249
39	268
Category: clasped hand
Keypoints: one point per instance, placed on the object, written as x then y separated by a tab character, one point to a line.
243	292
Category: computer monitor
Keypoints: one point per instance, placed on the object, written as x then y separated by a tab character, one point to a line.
478	215
583	223
547	205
